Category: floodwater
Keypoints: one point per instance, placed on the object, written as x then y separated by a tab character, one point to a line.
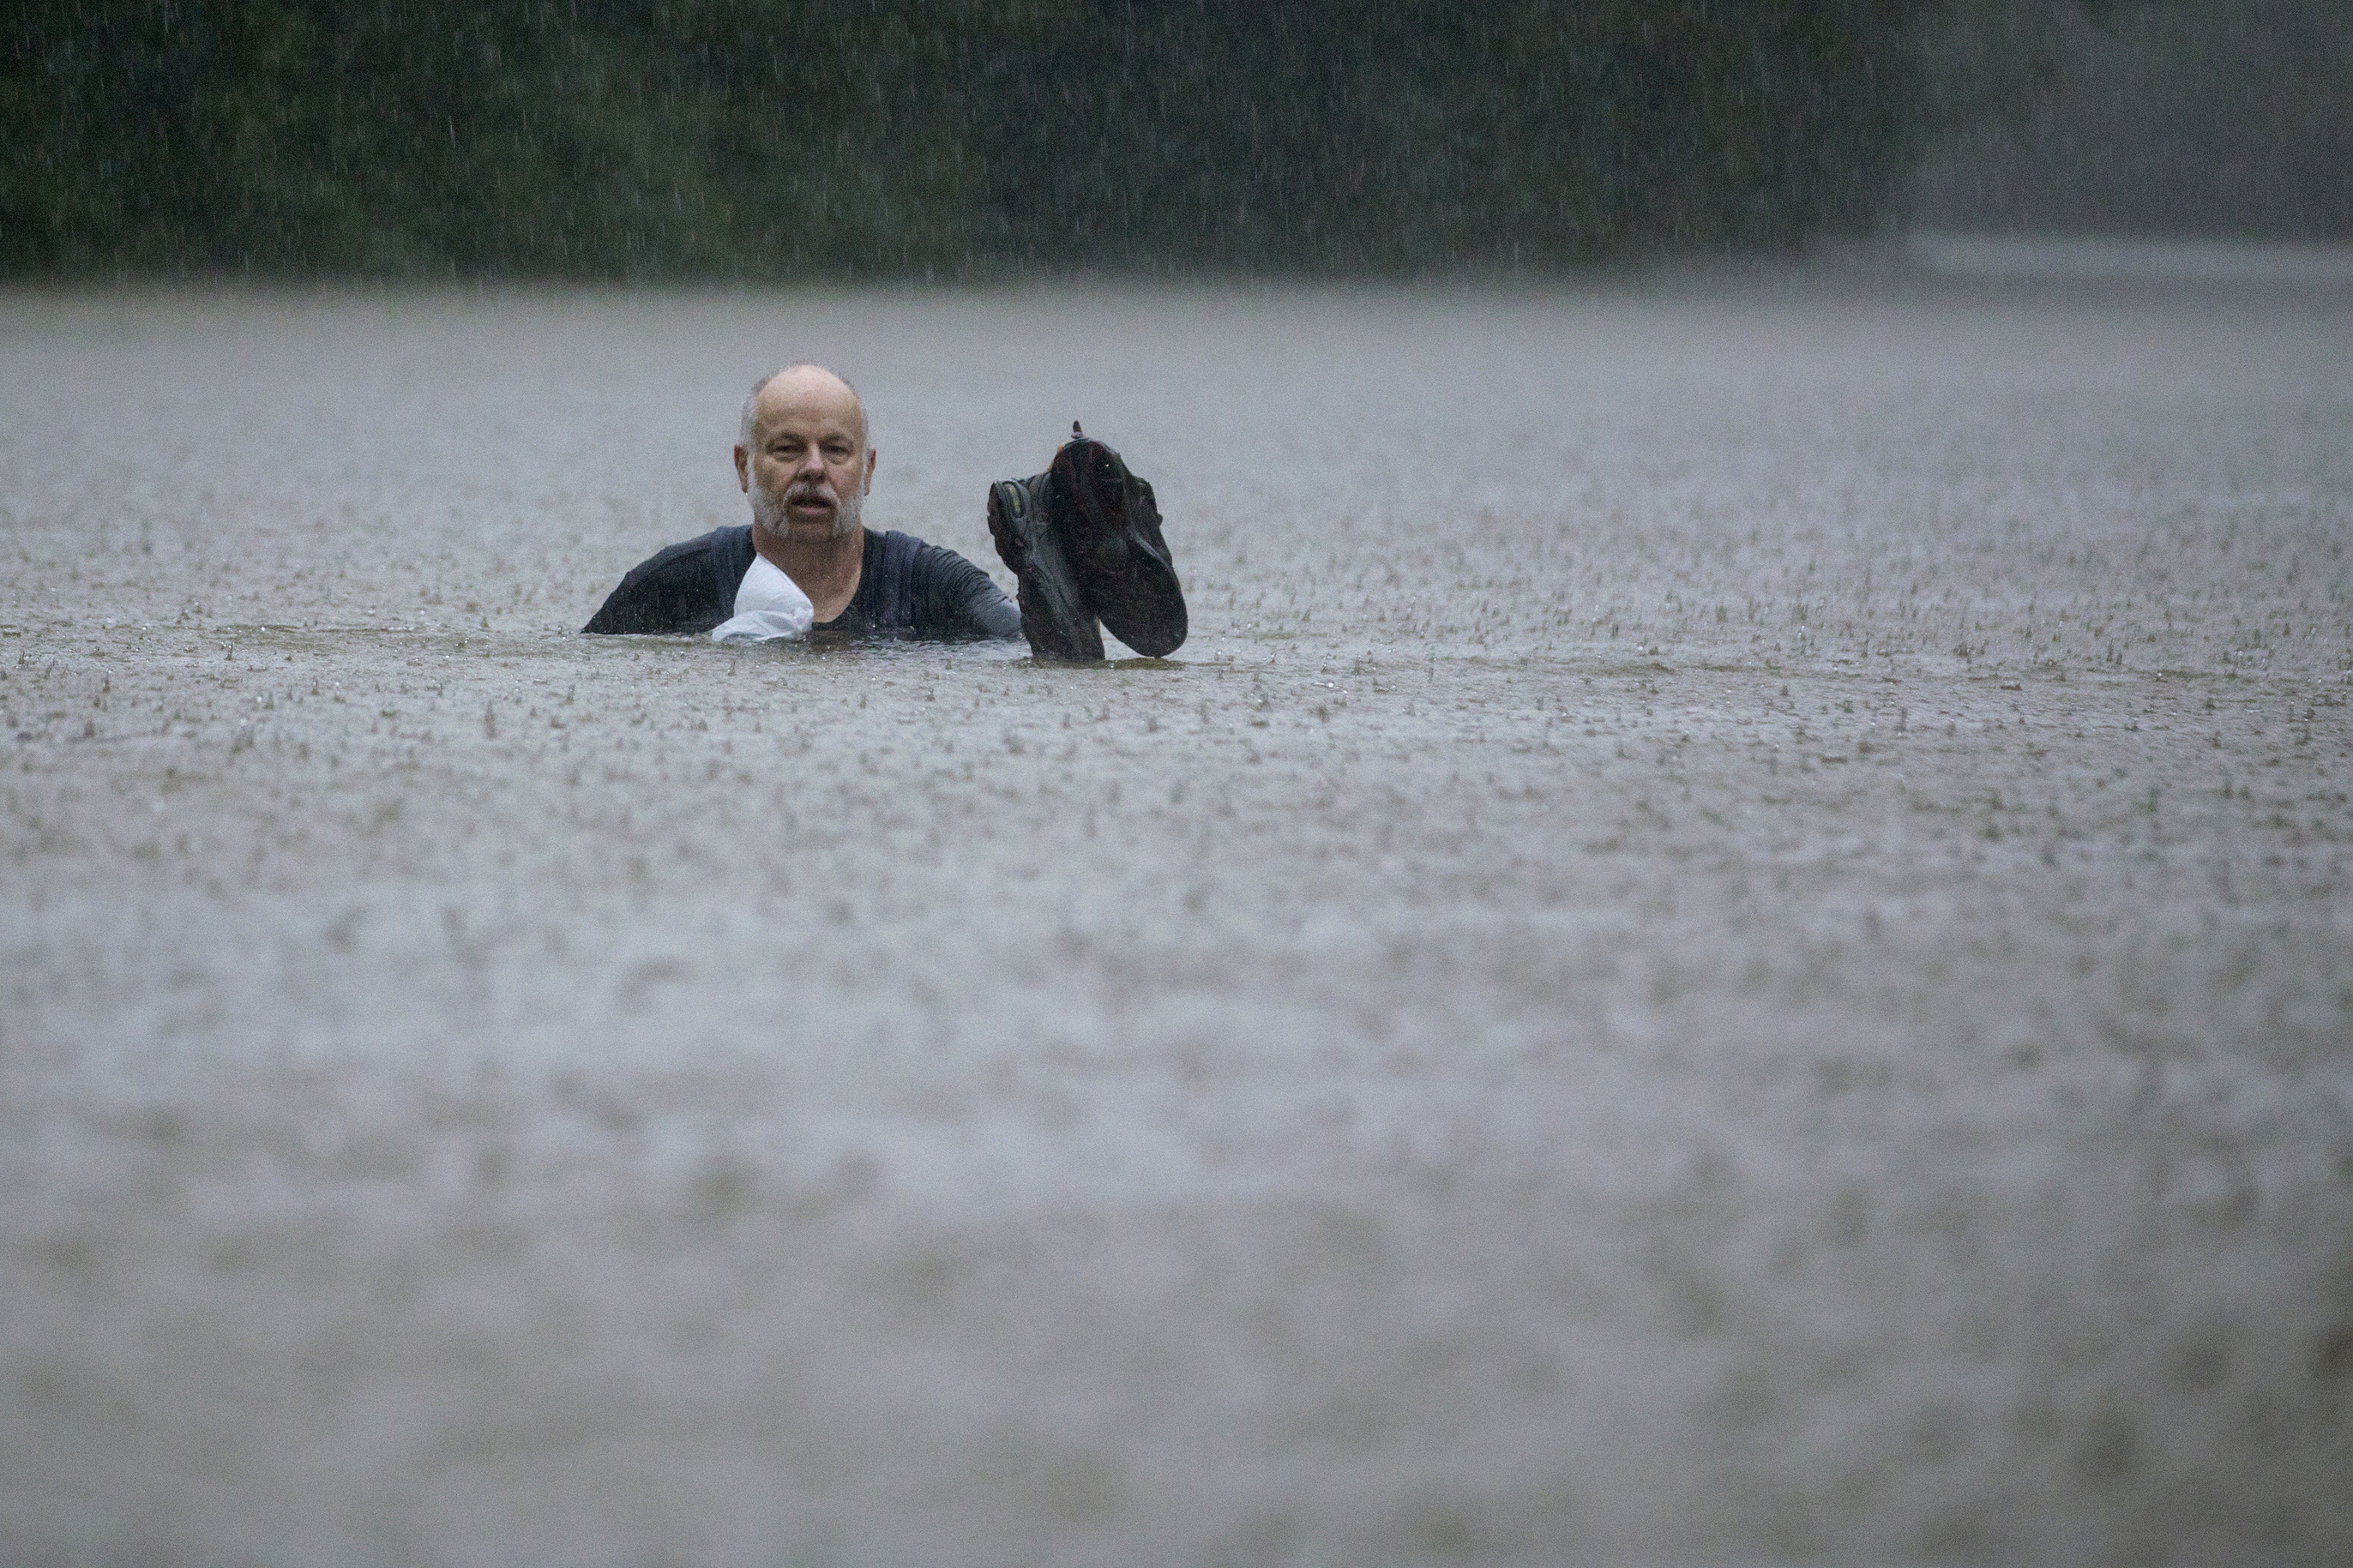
1730	942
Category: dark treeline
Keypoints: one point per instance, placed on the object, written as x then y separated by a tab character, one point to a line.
2209	117
798	139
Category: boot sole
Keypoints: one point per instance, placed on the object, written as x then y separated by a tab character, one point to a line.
1111	521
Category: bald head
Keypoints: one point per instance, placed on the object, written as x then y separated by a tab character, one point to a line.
811	385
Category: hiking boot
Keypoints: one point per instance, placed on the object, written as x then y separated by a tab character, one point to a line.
1055	616
1109	526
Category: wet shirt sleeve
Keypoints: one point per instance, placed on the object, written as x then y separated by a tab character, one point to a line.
955	598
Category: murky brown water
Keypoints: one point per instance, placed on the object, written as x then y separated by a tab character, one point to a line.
1730	942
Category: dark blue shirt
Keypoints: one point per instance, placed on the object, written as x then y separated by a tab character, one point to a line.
906	588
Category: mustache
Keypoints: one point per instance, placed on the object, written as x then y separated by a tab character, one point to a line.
813	489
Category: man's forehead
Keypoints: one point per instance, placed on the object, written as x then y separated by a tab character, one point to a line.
807	395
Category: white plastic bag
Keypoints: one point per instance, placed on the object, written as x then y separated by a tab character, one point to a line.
768	605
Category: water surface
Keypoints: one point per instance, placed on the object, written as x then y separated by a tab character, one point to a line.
1730	941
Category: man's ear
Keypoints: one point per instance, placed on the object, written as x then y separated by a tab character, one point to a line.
742	470
867	487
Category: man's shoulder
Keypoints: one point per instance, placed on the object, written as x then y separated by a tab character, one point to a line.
923	563
920	553
689	586
690	552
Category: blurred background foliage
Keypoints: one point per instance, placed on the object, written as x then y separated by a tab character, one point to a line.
763	140
2229	118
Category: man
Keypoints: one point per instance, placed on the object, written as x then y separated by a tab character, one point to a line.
1083	540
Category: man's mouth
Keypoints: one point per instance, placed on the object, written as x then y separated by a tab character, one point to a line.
809	500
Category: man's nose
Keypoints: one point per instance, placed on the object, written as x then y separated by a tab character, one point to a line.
812	462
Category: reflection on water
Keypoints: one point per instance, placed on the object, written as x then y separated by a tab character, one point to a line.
1726	942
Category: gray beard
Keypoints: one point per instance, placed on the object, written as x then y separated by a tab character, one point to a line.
769	512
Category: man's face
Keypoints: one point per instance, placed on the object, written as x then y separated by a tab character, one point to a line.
809	466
